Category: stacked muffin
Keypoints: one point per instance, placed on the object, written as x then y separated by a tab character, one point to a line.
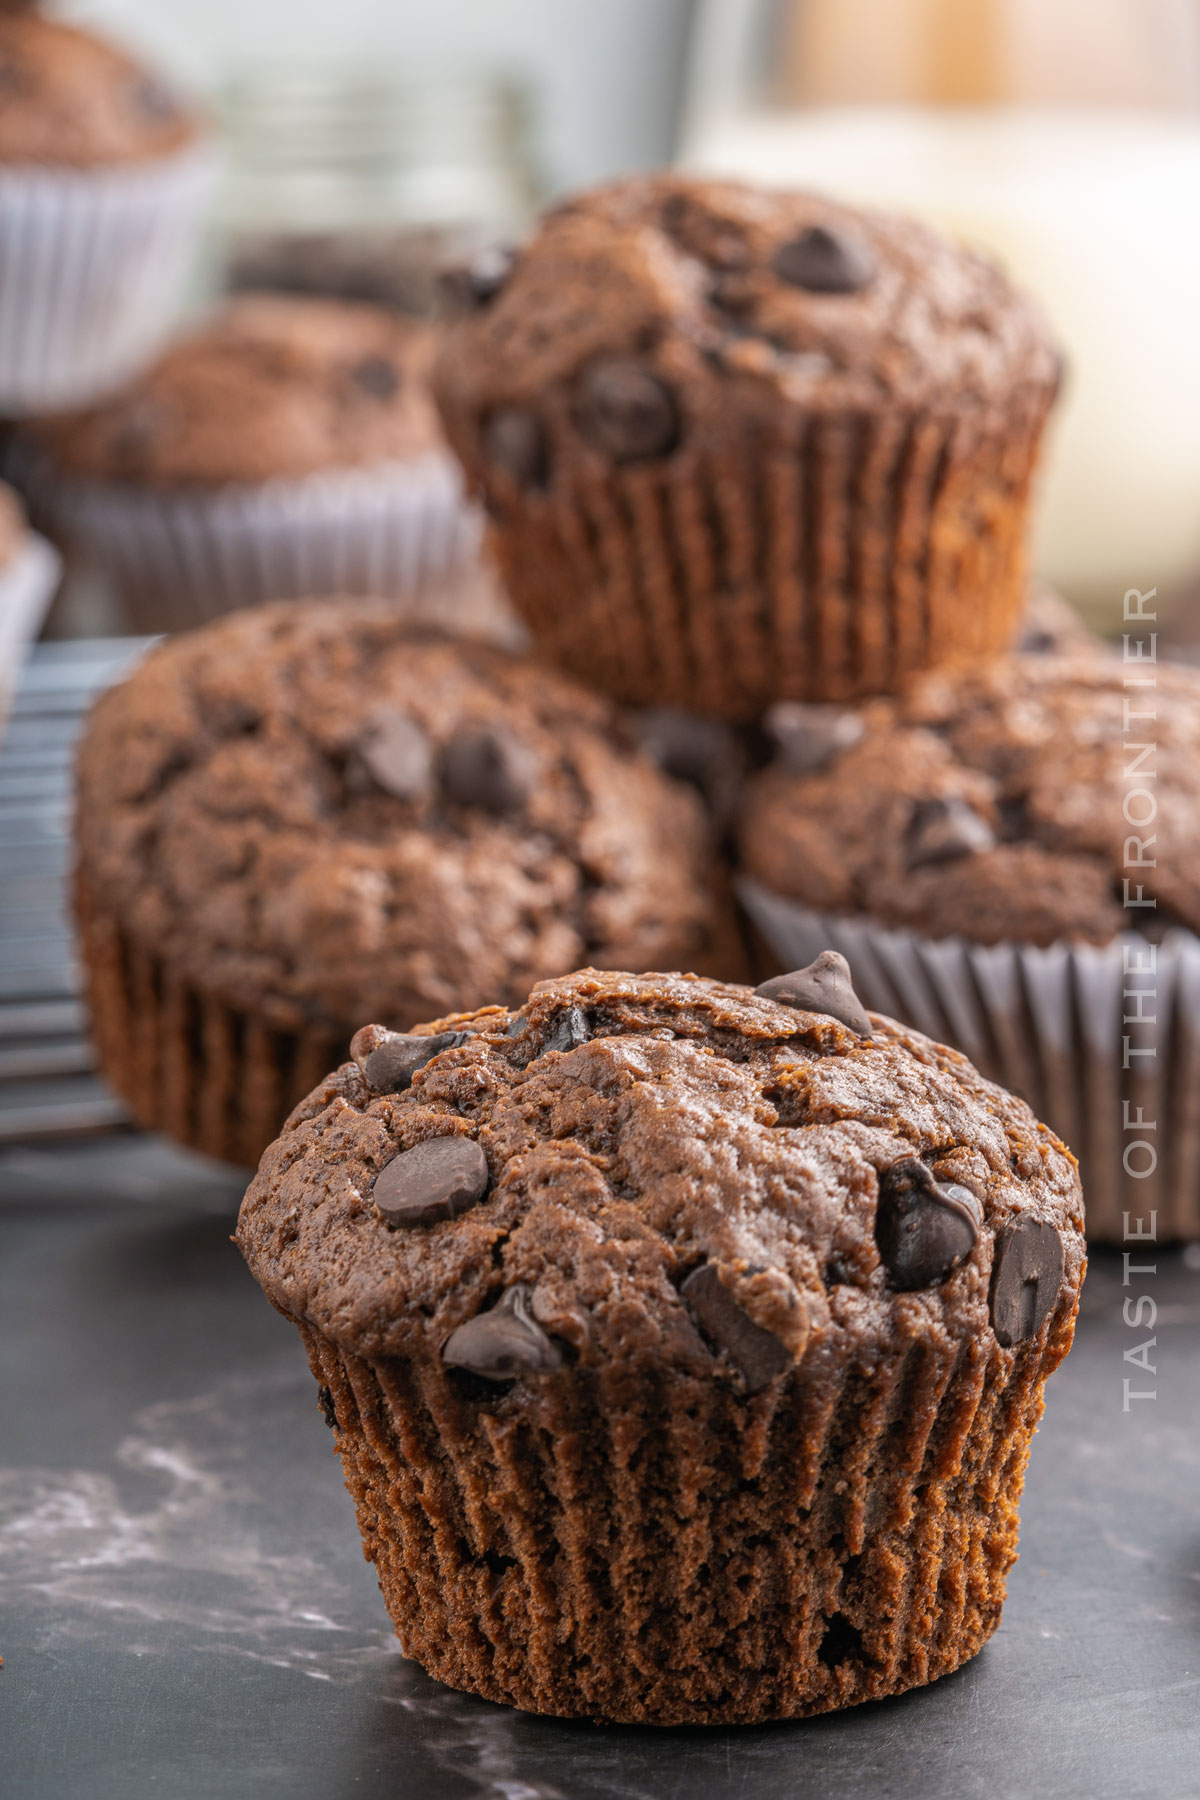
683	1341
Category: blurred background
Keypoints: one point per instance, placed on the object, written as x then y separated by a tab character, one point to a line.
362	140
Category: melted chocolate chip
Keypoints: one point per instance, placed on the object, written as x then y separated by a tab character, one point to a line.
390	1067
924	1228
489	769
325	1402
377	376
435	1180
513	440
824	987
823	262
757	1353
810	737
944	830
569	1030
504	1342
398	755
1027	1273
470	286
626	411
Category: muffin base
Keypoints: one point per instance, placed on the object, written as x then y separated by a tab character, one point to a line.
826	564
656	1549
184	1062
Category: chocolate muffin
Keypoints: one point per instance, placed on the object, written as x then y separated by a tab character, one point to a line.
1008	853
104	173
740	446
305	815
287	446
683	1343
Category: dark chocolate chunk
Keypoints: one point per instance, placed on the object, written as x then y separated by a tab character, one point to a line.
823	262
513	440
944	830
435	1180
809	737
398	754
924	1228
504	1342
703	752
626	411
758	1354
570	1029
469	286
489	769
824	987
1027	1273
325	1402
377	376
390	1067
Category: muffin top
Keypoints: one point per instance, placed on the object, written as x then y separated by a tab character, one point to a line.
272	385
991	803
322	816
13	531
68	99
669	1170
645	317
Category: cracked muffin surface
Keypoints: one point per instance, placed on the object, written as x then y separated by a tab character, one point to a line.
988	803
317	813
636	1128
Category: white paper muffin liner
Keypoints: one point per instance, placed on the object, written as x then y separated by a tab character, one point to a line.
1050	1025
27	585
181	558
91	262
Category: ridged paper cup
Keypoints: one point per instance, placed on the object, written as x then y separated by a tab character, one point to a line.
1053	1025
184	1061
27	587
843	1536
91	264
180	558
826	560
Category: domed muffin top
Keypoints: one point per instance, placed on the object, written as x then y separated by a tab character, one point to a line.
322	816
1000	802
69	99
643	316
271	385
662	1167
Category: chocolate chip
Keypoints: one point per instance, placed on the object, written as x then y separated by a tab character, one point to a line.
398	754
702	752
626	411
824	987
488	769
569	1030
758	1354
470	286
1027	1273
810	737
823	262
513	440
704	234
390	1067
325	1402
377	376
944	830
435	1180
504	1342
924	1228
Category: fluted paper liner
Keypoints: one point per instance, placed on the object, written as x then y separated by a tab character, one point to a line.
649	1547
1048	1024
826	564
27	585
91	263
184	1061
183	557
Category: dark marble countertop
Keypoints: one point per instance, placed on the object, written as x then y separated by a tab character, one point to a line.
184	1610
